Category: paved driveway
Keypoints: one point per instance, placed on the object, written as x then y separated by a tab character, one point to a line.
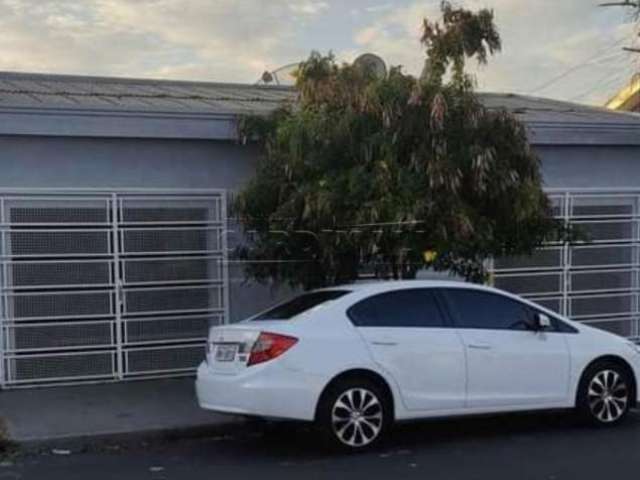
548	446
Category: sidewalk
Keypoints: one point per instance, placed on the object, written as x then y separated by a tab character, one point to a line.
108	412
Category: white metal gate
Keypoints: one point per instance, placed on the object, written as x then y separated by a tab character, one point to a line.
596	282
110	285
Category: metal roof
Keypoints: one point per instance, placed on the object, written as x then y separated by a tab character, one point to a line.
43	91
32	90
545	110
122	105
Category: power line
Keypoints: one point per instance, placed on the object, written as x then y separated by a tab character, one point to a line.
594	61
597	56
620	4
626	3
603	82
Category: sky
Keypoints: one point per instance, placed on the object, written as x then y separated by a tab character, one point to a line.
565	49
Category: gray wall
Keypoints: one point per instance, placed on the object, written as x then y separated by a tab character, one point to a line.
57	162
590	166
62	162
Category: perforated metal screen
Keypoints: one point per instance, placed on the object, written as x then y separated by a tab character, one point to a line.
595	282
108	286
111	286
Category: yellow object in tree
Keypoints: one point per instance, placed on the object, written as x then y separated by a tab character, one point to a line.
430	255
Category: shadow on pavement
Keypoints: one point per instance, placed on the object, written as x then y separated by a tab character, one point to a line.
282	440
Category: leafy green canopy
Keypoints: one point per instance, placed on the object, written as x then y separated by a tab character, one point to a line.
362	171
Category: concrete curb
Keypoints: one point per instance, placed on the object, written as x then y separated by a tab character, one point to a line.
79	443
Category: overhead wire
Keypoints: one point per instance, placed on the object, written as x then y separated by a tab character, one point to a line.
608	79
600	55
603	83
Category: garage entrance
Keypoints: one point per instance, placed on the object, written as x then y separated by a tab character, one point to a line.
108	286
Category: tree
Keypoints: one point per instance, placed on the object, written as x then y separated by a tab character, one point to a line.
393	173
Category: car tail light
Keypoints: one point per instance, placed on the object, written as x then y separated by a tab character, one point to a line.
269	346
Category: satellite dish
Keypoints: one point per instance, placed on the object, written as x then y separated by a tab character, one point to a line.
285	74
280	76
373	63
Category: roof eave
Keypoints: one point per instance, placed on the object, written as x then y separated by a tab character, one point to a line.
593	134
222	126
118	123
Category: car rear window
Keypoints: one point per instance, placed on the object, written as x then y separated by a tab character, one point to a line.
299	304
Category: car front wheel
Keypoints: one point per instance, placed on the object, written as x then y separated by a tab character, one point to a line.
605	392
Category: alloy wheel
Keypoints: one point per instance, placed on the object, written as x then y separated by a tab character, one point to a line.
357	417
608	396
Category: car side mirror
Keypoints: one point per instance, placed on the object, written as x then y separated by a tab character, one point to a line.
542	321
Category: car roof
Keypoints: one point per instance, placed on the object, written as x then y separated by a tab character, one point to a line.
366	288
384	285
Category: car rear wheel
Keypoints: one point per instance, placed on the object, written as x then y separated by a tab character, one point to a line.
604	396
354	414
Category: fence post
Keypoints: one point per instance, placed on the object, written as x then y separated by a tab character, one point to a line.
117	285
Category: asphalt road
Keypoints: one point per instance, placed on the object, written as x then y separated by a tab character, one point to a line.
547	446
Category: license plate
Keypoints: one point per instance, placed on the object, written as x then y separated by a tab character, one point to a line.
226	353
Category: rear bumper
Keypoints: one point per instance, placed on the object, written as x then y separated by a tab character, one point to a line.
263	390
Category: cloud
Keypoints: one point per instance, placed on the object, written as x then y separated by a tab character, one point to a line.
379	8
540	40
395	35
223	40
236	40
309	7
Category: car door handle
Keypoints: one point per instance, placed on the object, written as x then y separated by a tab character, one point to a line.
479	346
384	344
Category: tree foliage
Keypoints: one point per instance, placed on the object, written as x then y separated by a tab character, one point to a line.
363	171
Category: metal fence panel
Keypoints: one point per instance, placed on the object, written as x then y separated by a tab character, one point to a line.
165	359
596	281
59	335
108	285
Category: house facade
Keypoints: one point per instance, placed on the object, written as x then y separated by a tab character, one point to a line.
115	238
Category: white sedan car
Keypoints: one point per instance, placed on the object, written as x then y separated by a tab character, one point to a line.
356	358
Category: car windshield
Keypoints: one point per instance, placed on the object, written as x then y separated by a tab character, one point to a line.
299	304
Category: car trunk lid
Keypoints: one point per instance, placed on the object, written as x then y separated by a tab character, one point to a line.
229	347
